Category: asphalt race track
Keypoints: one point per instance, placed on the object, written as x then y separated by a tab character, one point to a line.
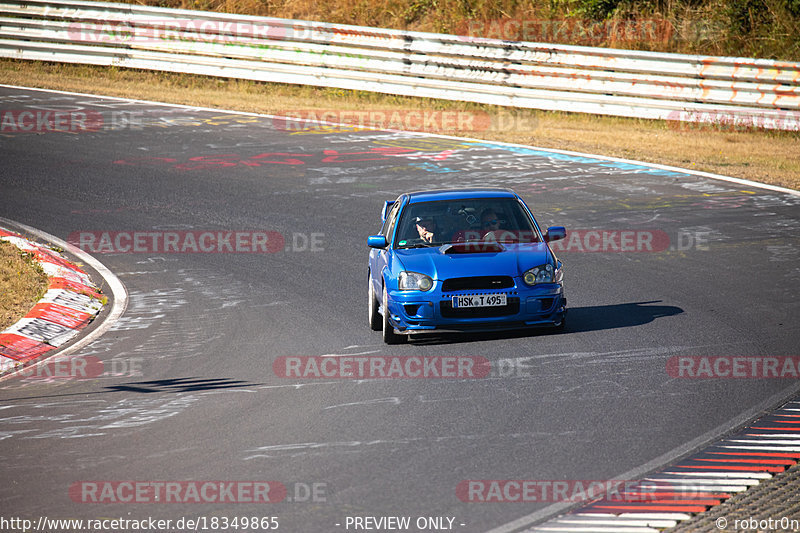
189	392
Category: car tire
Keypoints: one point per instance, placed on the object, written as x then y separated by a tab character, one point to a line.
372	307
389	336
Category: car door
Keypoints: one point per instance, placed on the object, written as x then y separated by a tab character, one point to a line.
379	259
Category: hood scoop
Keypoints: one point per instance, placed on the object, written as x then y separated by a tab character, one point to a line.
471	248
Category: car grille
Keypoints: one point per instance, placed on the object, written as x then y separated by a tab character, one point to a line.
447	311
477	283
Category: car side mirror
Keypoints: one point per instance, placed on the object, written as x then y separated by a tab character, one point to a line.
555	233
376	241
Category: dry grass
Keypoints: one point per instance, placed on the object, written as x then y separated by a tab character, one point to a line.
22	284
768	157
744	28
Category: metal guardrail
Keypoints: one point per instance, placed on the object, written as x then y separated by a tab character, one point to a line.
731	91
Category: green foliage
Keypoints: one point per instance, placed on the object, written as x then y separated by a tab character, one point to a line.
605	9
598	9
416	9
744	16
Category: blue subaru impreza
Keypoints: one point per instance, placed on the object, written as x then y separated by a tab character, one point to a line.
462	260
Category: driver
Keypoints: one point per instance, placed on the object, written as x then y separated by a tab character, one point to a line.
490	227
489	221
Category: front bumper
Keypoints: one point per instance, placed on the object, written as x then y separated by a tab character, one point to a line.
419	312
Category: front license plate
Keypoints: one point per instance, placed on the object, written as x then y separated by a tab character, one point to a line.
480	300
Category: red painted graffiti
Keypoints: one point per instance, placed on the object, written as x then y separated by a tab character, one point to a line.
203	162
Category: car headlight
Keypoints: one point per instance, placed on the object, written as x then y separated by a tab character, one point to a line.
414	281
540	274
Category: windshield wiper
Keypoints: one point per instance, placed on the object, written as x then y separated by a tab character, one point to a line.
420	245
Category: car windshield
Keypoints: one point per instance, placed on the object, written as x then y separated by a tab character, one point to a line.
440	222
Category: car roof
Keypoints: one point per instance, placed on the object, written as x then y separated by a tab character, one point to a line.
457	194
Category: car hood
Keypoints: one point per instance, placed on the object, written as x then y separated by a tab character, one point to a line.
513	260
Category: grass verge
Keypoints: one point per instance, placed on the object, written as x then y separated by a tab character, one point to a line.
766	156
22	283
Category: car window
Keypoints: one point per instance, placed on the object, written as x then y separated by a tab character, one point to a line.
480	219
390	218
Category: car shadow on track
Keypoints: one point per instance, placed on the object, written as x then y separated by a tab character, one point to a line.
579	319
180	385
172	385
599	317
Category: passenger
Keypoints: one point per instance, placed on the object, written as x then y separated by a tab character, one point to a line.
426	227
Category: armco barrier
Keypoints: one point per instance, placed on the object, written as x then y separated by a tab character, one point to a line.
689	88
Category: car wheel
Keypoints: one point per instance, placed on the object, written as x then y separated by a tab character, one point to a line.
372	306
389	336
